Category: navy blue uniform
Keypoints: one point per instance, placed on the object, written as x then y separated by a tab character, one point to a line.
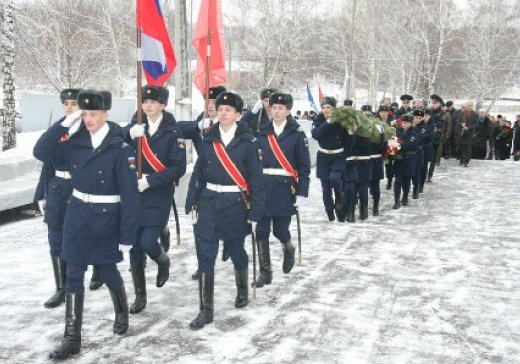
378	172
93	231
350	177
419	156
255	121
429	152
155	202
56	190
361	155
405	168
279	197
330	161
223	215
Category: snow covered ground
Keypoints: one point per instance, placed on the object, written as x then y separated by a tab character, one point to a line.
435	282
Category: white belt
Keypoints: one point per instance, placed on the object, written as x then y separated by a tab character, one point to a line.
331	151
360	158
221	188
276	172
373	156
88	198
62	174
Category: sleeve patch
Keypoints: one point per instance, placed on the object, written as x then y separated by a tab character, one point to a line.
181	143
260	154
306	142
131	163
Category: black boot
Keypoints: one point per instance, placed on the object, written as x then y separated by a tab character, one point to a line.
375	208
71	343
164	238
389	184
350	216
139	280
363	211
242	289
163	271
415	193
421	188
58	266
338	200
95	281
397	202
264	261
195	276
205	316
404	201
429	178
225	254
120	309
288	256
330	215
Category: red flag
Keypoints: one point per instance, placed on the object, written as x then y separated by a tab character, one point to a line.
209	22
157	56
320	93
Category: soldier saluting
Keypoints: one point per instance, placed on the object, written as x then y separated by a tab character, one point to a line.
100	213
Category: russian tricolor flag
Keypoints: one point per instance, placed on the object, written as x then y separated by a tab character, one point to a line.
157	56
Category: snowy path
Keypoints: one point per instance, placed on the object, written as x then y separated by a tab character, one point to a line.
435	282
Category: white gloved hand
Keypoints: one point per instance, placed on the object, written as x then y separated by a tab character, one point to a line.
72	118
41	206
300	201
142	184
259	105
194	216
137	131
204	123
328	120
253	225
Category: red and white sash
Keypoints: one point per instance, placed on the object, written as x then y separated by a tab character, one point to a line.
230	167
282	159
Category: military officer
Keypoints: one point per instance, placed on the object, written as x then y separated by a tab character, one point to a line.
420	129
286	170
101	210
361	156
405	108
260	114
428	147
404	168
330	161
226	199
441	121
163	163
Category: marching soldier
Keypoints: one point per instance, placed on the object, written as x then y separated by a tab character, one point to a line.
260	114
194	130
330	161
389	167
361	156
404	168
163	163
428	147
53	191
101	210
420	129
441	121
227	193
286	170
378	172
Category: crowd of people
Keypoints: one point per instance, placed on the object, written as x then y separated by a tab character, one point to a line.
103	185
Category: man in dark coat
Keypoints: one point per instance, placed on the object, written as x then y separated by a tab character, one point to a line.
101	213
482	132
226	200
404	168
260	114
330	161
406	108
286	185
466	124
163	164
441	121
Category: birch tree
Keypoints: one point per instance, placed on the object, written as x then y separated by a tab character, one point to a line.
8	52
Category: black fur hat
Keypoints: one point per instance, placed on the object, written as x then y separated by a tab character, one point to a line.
157	93
366	108
215	91
282	99
69	94
266	92
231	99
348	102
418	112
329	100
95	100
436	97
407	118
383	108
